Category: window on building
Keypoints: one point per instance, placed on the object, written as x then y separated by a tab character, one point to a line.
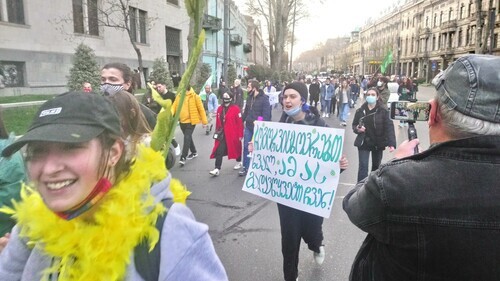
495	40
439	41
13	73
138	24
459	41
174	51
433	42
93	20
14	11
441	18
427	21
469	10
450	14
435	20
412	44
462	8
175	2
85	17
467	36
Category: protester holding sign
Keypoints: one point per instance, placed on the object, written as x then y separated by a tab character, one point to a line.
296	224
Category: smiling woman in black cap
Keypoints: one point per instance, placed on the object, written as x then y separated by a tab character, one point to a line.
296	224
90	211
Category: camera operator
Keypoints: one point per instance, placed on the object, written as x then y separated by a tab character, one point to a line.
435	215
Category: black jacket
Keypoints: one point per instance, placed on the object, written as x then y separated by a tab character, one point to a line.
257	105
379	131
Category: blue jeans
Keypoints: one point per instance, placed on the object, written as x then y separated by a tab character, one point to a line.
247	137
344	111
364	156
326	107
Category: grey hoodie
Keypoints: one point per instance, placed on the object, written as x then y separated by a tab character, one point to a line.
186	249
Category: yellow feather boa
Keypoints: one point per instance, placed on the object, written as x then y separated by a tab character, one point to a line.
101	249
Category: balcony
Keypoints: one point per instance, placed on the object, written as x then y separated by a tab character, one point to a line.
424	32
247	48
449	26
211	23
236	40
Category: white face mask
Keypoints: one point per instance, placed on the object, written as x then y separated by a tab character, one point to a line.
379	84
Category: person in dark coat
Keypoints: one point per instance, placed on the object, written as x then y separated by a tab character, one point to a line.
230	125
375	132
314	90
256	108
237	93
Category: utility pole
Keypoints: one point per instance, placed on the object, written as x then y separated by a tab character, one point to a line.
226	40
293	35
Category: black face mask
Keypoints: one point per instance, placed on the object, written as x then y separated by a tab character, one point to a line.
226	101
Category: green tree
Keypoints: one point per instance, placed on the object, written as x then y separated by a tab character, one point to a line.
203	73
160	72
85	69
231	74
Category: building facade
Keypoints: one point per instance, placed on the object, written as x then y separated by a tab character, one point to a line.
256	49
426	36
38	40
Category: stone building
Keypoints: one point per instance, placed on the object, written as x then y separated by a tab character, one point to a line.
424	37
38	39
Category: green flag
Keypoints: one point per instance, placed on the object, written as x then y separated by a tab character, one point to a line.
386	62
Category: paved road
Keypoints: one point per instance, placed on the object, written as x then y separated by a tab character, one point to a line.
245	228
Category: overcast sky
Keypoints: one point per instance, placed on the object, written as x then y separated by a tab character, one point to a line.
332	19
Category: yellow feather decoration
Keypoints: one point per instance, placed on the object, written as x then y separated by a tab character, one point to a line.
99	248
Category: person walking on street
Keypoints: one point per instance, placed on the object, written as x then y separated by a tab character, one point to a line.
383	89
344	99
212	105
433	215
192	113
314	90
229	130
374	130
295	224
237	93
257	105
327	93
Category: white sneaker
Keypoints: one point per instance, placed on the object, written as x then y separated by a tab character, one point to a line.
214	172
319	257
327	115
238	166
324	115
177	150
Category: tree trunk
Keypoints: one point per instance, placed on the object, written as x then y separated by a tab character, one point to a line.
479	26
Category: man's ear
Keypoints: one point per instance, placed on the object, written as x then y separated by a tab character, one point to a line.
434	115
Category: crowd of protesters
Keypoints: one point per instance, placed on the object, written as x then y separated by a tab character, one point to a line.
91	155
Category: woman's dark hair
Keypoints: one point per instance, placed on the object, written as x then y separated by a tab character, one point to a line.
4	134
126	73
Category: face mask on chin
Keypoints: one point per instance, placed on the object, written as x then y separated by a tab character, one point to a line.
293	111
111	89
379	84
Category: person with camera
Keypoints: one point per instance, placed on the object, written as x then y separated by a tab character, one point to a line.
375	132
434	215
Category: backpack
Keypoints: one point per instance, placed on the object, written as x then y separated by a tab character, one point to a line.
147	263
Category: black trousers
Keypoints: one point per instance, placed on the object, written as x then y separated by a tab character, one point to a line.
221	152
333	105
187	129
297	225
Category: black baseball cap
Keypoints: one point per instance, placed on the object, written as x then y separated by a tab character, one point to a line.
72	117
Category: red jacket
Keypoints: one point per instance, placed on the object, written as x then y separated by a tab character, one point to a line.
233	131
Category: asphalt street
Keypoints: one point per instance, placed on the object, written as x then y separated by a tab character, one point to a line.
245	228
